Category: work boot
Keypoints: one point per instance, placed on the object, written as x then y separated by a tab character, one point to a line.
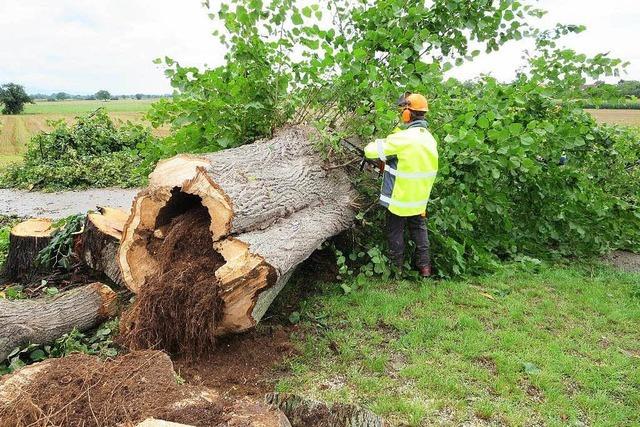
425	271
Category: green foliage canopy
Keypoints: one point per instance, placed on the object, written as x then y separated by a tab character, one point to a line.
500	191
103	95
13	97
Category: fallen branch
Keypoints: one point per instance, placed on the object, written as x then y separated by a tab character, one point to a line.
43	320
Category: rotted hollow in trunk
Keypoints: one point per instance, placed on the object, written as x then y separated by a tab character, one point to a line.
178	307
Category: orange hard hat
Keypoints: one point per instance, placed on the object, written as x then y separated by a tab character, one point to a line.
416	102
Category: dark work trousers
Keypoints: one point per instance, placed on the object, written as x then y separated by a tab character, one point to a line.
417	231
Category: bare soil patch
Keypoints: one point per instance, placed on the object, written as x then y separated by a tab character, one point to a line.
242	365
625	261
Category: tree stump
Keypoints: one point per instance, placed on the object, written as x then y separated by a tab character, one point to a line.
26	240
271	203
43	320
100	241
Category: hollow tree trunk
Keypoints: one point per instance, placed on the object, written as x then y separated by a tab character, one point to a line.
271	205
26	240
45	319
100	241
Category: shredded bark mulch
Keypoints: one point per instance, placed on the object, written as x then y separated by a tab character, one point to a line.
177	308
84	390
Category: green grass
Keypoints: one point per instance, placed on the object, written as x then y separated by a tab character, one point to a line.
6	160
81	106
556	347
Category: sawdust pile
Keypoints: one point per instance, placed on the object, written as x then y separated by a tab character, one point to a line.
177	308
84	390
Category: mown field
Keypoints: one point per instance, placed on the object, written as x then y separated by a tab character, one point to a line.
81	106
17	131
617	117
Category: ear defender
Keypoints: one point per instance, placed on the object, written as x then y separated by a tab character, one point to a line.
406	115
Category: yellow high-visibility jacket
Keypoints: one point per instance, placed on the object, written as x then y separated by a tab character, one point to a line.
411	157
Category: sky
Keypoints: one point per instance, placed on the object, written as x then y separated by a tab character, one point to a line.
81	47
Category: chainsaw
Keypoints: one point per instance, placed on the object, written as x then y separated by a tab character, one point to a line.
365	164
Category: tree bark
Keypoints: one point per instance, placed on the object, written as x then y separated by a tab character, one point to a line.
26	240
43	320
303	412
271	205
100	241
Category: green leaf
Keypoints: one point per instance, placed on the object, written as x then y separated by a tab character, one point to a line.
483	122
51	291
359	53
37	355
297	19
294	318
306	11
515	129
530	368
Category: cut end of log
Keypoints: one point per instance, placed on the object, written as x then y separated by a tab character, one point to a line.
26	240
98	244
109	300
240	279
36	227
109	221
175	171
157	207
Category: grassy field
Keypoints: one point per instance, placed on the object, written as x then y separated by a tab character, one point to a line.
556	347
617	117
81	106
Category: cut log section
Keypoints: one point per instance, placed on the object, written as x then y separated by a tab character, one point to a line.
43	320
26	240
271	203
100	241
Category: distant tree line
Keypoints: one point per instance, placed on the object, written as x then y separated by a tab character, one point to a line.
103	95
623	90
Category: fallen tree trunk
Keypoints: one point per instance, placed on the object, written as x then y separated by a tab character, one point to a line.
43	320
100	241
271	205
26	240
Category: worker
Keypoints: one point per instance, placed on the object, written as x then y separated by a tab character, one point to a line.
410	159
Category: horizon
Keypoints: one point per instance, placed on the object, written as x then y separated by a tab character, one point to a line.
128	35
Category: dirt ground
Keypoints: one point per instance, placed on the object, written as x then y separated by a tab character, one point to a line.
625	261
58	205
242	365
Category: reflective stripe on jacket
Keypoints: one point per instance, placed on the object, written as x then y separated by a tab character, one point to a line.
411	157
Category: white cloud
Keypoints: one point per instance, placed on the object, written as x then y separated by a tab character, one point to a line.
611	27
83	46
